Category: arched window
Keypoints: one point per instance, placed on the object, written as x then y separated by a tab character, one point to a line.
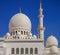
10	33
31	50
22	51
16	32
22	32
5	37
18	37
26	33
12	51
26	51
17	50
36	50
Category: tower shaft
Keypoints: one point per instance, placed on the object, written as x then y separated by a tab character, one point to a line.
41	27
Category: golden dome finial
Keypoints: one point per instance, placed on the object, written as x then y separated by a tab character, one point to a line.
51	33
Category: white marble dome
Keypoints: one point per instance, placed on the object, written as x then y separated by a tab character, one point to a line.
51	41
54	50
34	36
7	34
20	20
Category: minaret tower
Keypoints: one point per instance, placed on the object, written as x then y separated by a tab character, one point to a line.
40	26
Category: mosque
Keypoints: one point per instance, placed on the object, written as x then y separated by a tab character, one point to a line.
20	41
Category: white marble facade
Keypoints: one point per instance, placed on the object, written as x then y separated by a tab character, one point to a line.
20	41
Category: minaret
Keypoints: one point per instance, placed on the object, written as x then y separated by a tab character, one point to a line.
40	26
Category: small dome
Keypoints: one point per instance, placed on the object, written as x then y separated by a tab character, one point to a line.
54	49
7	34
34	36
20	20
51	41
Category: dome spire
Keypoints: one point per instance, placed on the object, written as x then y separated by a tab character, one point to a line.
51	34
20	10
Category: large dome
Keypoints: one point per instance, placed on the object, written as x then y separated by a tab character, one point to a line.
51	41
20	20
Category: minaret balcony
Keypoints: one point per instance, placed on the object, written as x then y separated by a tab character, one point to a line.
41	28
41	15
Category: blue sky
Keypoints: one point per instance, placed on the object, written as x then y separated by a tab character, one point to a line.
8	8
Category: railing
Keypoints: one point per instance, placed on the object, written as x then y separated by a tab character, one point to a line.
24	54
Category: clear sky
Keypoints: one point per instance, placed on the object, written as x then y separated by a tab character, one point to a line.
30	7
